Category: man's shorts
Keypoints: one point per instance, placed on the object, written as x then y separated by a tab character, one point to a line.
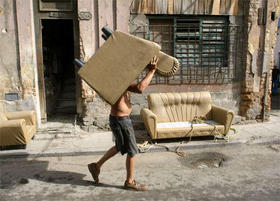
124	135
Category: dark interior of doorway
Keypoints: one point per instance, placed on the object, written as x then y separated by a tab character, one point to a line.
275	94
59	71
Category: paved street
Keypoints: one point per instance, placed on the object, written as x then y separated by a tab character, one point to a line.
54	167
234	172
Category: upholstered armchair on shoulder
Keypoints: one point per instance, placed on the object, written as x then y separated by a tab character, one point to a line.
17	128
172	115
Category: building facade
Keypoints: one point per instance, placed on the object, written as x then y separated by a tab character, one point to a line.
223	46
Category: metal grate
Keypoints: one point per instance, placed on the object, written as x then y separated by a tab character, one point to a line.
205	47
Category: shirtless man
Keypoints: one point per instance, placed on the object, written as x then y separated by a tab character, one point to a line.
122	128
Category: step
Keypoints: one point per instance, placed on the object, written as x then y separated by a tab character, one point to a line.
69	81
67	95
65	103
68	88
66	99
66	110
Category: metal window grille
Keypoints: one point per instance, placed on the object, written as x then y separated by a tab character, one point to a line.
204	46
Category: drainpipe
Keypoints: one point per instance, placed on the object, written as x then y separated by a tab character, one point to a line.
264	60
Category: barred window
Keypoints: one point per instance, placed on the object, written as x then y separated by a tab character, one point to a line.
204	46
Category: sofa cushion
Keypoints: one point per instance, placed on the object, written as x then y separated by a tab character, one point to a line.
185	124
202	130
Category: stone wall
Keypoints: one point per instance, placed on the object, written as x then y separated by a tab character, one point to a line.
261	35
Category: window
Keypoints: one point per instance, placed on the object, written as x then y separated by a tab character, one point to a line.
204	46
56	5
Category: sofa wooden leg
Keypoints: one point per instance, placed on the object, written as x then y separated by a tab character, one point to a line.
11	147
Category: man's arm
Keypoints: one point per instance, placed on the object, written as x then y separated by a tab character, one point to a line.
144	83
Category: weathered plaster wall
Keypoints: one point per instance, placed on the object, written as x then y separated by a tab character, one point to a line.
18	59
256	87
9	75
114	14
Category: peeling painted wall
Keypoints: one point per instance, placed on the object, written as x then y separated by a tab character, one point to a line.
17	56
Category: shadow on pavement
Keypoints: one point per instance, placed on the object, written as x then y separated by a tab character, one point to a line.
20	171
105	185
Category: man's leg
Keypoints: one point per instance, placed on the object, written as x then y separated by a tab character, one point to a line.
130	183
109	154
94	168
130	163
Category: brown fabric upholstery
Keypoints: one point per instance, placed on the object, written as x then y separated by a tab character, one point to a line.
119	61
184	107
167	65
17	128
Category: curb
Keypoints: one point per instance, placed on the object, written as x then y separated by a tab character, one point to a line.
152	149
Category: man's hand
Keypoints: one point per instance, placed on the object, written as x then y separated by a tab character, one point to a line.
153	63
143	84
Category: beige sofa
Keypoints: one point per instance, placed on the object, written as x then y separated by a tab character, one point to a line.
17	128
171	115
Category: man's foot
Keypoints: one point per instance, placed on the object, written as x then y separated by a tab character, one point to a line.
94	172
135	186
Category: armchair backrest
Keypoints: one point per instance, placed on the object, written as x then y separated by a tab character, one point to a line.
178	107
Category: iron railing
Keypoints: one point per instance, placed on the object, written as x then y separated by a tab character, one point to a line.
206	50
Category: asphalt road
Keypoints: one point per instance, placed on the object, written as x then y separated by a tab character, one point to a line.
239	172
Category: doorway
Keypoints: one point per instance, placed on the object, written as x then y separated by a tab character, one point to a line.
59	71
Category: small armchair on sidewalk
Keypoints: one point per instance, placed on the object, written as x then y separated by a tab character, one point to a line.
17	128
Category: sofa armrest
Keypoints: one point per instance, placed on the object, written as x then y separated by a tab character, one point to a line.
12	132
150	121
222	116
29	116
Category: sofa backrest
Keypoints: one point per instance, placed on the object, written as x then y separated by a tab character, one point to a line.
3	116
174	107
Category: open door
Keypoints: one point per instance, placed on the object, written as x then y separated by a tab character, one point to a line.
57	45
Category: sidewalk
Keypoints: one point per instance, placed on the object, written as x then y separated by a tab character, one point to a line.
69	140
